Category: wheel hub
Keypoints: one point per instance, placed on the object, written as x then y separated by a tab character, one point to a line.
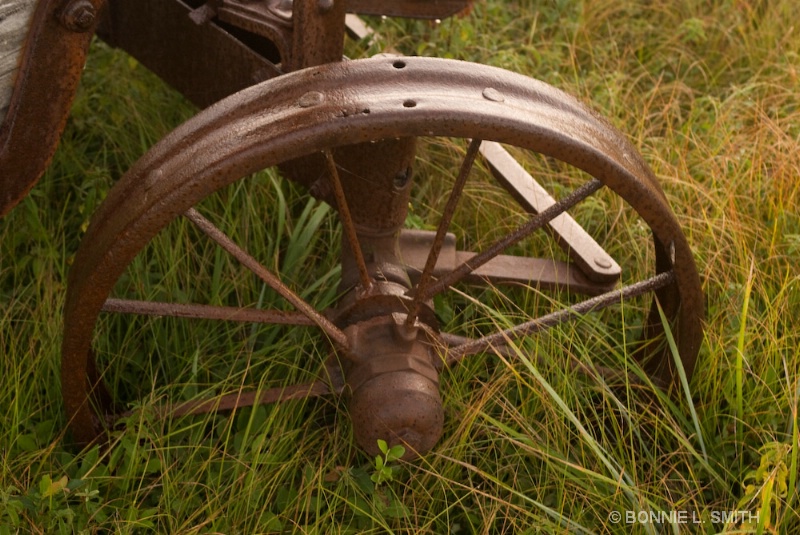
393	385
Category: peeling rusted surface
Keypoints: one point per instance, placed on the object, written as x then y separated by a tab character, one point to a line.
289	122
49	72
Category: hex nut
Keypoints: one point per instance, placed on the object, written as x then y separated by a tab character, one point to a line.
79	16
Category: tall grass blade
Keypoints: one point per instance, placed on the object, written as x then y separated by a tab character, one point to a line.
739	365
676	357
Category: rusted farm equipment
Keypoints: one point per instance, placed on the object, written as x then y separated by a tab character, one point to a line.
348	131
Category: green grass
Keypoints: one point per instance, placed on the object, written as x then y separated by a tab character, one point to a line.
708	93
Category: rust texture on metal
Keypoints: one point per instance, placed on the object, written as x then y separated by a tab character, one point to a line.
348	132
348	226
387	299
79	16
504	337
47	78
441	230
372	174
187	47
393	386
290	122
317	33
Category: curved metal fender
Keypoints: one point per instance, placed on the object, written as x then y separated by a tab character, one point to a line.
348	103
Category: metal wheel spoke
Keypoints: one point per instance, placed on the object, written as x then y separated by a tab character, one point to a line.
441	230
506	352
347	222
210	312
331	330
534	223
502	338
242	399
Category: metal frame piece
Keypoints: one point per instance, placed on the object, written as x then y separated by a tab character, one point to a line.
271	19
318	33
186	46
187	55
542	273
50	69
594	262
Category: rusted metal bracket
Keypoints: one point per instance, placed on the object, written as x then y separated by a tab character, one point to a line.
186	46
48	76
543	273
318	33
271	19
593	260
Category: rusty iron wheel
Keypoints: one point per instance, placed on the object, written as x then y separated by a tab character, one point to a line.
322	116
